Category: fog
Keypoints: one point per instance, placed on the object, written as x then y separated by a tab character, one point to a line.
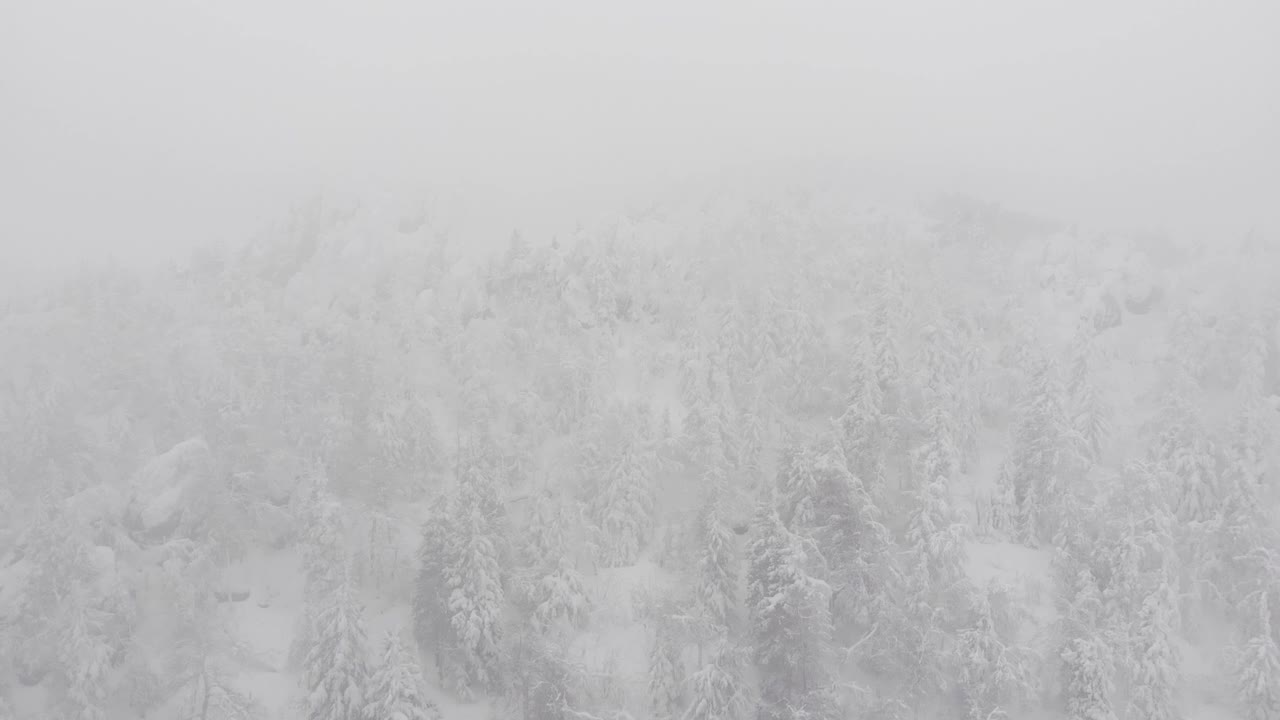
142	128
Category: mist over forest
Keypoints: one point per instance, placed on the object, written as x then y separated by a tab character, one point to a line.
676	361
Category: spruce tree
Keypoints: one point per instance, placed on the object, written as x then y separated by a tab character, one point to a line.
396	690
994	674
431	616
335	674
624	506
791	624
717	690
864	428
474	580
716	585
666	672
1033	473
1258	672
1154	688
1088	686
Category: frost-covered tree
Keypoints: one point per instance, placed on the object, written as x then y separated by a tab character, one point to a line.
937	538
396	689
934	585
790	621
623	506
1258	669
666	672
324	558
1090	416
335	675
716	584
864	427
1088	665
829	507
1153	693
86	654
1033	473
474	577
431	617
995	676
1183	447
1088	686
717	690
560	597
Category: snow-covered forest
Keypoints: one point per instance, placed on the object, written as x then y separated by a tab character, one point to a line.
766	458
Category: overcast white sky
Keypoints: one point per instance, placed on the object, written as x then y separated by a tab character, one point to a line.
145	126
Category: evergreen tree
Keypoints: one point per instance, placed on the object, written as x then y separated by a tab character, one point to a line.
716	585
994	676
1185	449
717	689
863	426
335	675
624	505
396	690
937	538
323	558
1090	421
1153	692
1088	687
1087	662
560	598
431	615
828	507
1258	673
666	673
791	624
86	656
1033	473
474	580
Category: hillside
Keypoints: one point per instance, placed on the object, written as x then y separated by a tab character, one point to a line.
780	456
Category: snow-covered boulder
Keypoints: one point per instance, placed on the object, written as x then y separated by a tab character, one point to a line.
168	487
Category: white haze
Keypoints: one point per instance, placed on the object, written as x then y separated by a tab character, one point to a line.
144	127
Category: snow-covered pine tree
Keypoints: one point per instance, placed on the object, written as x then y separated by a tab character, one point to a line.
1087	660
863	425
323	557
335	675
937	456
1035	463
1184	448
431	618
884	355
474	579
86	656
716	585
791	624
560	597
1090	415
1088	686
623	506
994	673
717	690
396	690
1153	693
540	682
1258	671
937	538
666	672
